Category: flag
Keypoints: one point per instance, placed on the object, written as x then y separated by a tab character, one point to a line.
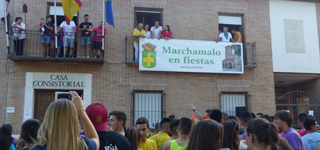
109	14
70	8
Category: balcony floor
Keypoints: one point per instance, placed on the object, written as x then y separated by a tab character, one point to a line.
56	59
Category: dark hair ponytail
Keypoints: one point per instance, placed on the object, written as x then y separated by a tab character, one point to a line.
273	136
260	128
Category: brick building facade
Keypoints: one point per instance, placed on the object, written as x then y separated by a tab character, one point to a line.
114	80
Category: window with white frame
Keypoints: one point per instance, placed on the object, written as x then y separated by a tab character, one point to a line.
149	105
233	104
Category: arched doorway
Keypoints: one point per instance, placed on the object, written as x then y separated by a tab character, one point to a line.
299	101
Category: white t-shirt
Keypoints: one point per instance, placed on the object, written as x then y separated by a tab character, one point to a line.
224	39
19	33
68	29
148	34
156	31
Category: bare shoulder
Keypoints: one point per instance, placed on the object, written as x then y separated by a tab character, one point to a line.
166	146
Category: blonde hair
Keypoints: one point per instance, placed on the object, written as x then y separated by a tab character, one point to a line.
59	129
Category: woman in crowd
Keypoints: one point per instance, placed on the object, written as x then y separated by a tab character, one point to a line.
6	141
201	140
59	129
133	135
231	133
148	33
262	134
166	33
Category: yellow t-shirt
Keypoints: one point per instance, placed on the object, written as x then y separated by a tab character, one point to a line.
136	31
237	36
148	145
160	139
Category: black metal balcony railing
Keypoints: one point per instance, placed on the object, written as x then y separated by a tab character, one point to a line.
30	46
249	52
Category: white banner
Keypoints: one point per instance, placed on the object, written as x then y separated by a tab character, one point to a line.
190	56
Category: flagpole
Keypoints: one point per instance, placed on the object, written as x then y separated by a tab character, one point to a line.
6	24
55	25
103	17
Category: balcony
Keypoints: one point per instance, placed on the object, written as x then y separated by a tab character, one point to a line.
249	52
33	49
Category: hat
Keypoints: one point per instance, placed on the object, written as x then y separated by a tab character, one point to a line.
98	115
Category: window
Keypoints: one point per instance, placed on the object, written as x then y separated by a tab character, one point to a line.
59	13
232	22
148	104
233	104
147	16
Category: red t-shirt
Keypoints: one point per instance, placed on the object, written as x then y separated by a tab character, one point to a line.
166	34
98	30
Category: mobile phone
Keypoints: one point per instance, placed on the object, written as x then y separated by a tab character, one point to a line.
64	95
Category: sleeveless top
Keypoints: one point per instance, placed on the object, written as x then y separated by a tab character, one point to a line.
174	146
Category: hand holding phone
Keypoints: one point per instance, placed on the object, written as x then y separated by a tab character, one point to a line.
77	100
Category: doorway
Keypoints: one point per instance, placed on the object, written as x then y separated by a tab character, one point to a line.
147	16
43	99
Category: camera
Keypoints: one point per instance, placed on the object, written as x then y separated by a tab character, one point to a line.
63	95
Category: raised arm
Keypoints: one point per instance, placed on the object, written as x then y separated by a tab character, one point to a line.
88	127
199	116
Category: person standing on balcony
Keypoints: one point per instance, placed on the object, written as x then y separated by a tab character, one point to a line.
225	36
18	35
166	33
156	30
237	36
45	39
86	28
137	33
97	40
146	30
69	36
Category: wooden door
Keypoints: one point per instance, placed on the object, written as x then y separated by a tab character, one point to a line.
42	101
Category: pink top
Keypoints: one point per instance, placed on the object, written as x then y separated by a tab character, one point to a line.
303	132
281	134
40	24
98	30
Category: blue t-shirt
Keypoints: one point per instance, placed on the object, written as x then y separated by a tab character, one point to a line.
311	141
24	149
12	147
90	143
294	139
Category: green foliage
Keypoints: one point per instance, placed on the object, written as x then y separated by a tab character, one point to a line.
236	49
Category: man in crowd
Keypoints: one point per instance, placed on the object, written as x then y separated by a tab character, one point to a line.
18	35
163	135
184	130
237	37
69	36
283	121
86	28
156	30
300	120
172	117
98	115
225	36
117	121
97	40
245	117
137	33
198	115
142	124
312	138
216	115
29	133
174	128
45	38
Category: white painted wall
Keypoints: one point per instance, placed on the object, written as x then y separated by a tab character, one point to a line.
308	62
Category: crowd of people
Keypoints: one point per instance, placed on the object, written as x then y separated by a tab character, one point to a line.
66	37
67	125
